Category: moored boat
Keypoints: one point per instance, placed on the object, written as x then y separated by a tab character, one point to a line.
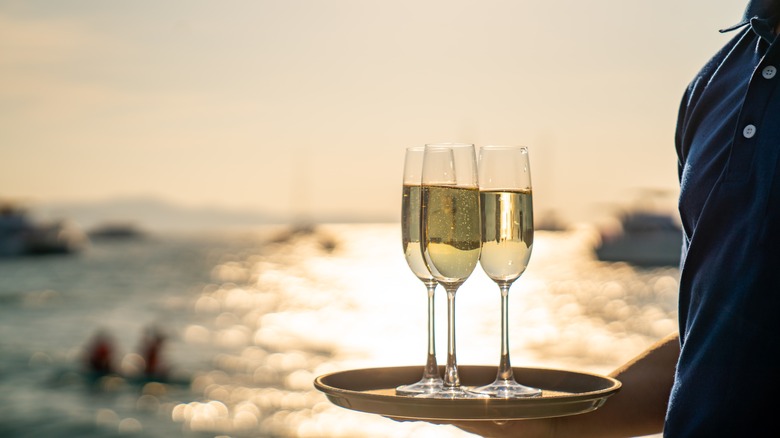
19	235
116	231
645	238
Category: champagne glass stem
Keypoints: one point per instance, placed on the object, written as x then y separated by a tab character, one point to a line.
431	367
505	385
431	381
451	378
505	367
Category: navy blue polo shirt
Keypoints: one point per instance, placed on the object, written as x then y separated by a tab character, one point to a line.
728	143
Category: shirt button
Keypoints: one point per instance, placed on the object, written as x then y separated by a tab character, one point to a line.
749	131
769	71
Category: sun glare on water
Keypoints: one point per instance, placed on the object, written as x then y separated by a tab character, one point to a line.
297	311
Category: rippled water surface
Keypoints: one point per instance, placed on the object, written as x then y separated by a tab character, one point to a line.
252	317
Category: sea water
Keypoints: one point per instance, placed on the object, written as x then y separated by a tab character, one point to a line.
251	317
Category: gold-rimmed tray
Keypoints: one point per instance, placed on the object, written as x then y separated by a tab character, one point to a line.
372	390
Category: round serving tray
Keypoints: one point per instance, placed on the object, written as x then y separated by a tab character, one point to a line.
372	390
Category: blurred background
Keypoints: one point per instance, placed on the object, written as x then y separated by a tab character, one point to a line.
224	178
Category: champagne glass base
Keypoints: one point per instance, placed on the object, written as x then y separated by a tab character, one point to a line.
452	393
424	386
502	388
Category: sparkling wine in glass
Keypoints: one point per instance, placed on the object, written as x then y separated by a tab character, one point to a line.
506	206
450	226
431	381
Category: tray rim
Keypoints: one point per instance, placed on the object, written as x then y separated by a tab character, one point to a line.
407	407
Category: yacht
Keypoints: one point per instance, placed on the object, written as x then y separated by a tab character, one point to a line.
19	235
644	238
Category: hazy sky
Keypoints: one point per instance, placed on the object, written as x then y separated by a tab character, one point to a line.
306	106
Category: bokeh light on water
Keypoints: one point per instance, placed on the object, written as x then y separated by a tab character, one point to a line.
261	319
300	312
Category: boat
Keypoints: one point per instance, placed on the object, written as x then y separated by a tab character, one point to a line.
644	238
116	231
306	230
20	236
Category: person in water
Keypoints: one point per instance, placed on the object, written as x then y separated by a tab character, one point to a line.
99	358
151	350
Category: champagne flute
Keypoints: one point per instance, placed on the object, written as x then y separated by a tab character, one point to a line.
431	381
506	206
450	236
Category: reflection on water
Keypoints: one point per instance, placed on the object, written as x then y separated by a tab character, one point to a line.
253	318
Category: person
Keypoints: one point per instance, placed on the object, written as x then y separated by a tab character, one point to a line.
99	354
719	375
151	350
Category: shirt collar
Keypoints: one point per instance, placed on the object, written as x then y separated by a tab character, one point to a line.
761	15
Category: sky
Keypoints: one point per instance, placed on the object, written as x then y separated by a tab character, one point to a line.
305	107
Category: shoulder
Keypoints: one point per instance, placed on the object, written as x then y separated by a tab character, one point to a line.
692	105
705	74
